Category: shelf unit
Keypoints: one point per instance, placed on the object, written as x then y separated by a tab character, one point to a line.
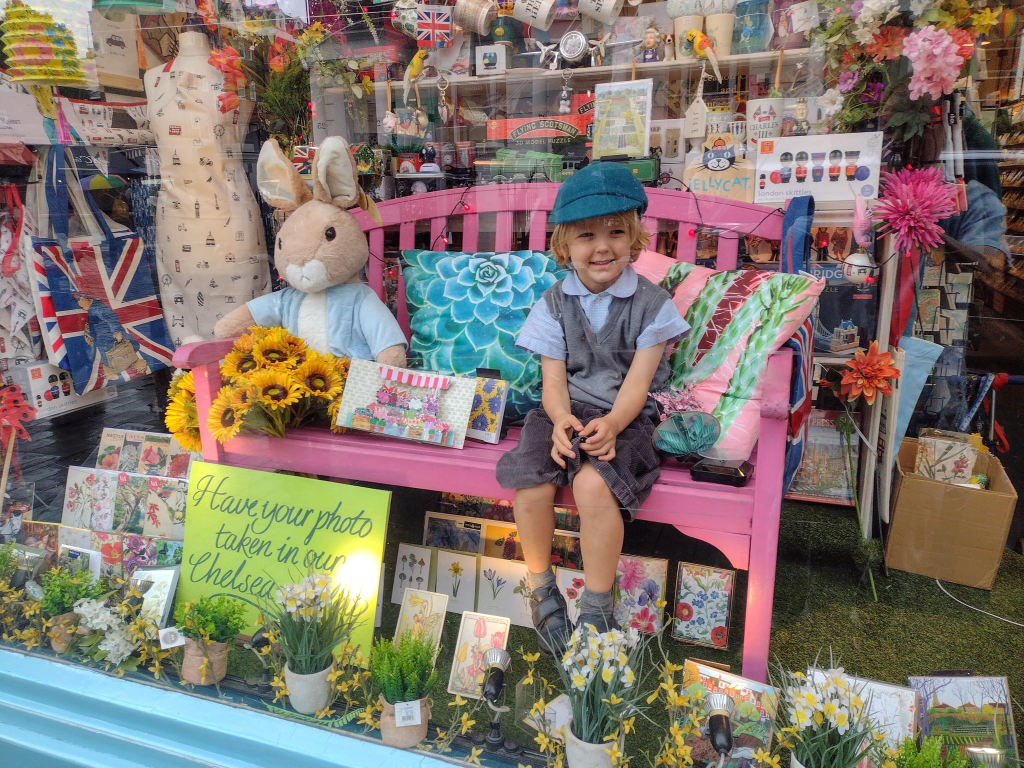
1003	283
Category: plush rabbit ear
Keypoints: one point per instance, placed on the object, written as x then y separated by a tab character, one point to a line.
278	179
335	180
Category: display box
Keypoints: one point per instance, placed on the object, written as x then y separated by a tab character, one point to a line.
51	391
556	129
949	532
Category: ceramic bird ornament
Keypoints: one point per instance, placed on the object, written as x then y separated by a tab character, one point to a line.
702	49
413	72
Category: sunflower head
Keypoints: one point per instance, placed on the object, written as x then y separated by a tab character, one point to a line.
274	351
181	412
182	381
243	395
247	340
225	421
275	388
318	376
341	365
190	439
238	365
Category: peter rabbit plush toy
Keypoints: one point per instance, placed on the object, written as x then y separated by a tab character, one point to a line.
321	251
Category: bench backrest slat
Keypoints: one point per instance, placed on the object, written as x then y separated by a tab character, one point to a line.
528	206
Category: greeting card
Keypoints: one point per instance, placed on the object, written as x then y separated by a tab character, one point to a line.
16	510
168	552
130	502
452	532
457	578
412	570
478	633
639	585
74	537
136	551
488	410
503	591
702	605
109	546
572	584
89	499
413	405
422	613
41	535
165	508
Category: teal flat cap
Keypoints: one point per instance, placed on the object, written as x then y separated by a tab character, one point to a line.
600	189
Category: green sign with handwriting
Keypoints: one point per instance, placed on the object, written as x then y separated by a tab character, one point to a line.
248	532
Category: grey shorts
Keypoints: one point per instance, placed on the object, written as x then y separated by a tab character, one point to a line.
630	475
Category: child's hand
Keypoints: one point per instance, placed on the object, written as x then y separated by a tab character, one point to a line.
561	437
600	442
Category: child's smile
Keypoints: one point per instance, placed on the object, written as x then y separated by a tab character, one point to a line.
599	252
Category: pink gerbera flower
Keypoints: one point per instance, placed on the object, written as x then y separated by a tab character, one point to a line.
912	204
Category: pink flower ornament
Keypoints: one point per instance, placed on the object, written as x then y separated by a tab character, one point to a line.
935	57
912	204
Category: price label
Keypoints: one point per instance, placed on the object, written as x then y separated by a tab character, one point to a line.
407	713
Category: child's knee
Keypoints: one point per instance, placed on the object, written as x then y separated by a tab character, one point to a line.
592	493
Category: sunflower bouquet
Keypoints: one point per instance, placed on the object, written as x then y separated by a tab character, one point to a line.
272	382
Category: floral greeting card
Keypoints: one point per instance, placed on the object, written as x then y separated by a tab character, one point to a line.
412	570
502	540
639	585
42	535
422	613
478	633
702	606
168	552
488	410
136	551
109	547
89	499
74	537
165	508
457	578
502	590
572	584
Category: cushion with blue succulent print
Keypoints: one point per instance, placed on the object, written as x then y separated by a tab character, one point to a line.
466	309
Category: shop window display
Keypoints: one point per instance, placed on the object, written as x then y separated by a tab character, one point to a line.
678	340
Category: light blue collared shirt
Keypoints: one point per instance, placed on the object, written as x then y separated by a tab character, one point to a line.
543	334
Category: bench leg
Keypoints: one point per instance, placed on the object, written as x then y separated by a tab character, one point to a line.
764	545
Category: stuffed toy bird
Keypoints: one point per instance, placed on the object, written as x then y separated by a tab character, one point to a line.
702	49
413	72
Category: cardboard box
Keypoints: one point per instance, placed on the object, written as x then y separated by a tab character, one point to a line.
946	531
50	390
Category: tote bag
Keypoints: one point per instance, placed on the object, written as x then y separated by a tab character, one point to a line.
97	296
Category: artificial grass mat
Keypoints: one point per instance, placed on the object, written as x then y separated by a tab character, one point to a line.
823	602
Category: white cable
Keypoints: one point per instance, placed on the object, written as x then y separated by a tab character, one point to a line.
973	608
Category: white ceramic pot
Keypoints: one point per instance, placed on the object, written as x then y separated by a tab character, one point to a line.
308	693
677	8
405	736
718	28
581	754
536	13
680	26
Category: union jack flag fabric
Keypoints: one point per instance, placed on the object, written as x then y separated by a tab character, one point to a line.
433	26
802	344
99	302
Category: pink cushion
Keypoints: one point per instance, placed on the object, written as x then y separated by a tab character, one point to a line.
653	265
737	319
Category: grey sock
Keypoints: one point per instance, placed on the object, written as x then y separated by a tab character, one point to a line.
596	602
538	580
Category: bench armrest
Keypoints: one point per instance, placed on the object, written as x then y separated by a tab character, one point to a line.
202	353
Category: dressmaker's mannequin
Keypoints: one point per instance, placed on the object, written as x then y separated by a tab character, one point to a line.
209	238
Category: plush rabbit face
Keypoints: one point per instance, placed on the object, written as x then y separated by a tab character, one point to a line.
320	244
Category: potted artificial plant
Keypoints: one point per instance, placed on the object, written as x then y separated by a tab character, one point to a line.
61	590
209	626
310	619
602	692
404	672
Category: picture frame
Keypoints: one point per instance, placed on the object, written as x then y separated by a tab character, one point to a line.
158	600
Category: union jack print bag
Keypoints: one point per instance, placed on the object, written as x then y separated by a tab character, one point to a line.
97	299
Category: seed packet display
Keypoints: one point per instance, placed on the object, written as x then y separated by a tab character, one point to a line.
149	453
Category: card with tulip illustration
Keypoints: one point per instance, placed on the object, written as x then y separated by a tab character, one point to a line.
412	570
457	578
478	633
422	614
702	606
502	590
572	584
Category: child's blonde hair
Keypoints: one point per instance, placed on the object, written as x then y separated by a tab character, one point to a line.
628	220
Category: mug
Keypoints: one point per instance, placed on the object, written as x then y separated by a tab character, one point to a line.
475	15
718	28
535	13
680	26
605	11
764	120
677	8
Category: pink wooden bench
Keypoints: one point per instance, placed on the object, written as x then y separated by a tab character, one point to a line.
741	522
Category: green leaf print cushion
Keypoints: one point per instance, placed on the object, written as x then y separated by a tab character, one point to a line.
466	309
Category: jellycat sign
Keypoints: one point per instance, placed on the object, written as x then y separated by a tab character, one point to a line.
249	532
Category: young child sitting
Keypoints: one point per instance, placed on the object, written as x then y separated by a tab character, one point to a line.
601	333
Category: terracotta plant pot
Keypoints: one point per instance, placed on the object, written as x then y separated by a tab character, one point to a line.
63	630
192	665
581	754
308	693
405	736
